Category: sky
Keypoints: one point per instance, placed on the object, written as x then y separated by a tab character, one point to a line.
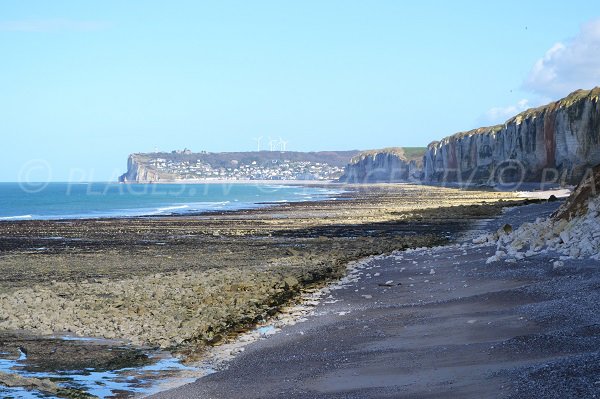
85	83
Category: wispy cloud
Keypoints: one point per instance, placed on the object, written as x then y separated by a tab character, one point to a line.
500	114
568	65
50	25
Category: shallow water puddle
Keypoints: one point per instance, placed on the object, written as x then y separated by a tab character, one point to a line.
163	372
266	330
125	382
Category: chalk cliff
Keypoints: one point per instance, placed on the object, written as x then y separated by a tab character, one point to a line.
387	165
557	141
139	171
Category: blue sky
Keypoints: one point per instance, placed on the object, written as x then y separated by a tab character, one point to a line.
83	84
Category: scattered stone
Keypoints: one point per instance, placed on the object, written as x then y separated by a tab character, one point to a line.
558	264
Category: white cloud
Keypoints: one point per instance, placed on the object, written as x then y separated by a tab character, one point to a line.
498	115
569	65
566	66
49	25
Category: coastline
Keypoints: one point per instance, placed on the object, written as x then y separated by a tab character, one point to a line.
253	262
241	181
518	331
188	201
63	201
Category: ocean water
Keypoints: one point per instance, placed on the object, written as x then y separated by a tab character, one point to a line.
112	200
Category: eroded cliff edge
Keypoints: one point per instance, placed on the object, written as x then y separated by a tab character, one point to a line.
395	164
139	171
555	143
560	140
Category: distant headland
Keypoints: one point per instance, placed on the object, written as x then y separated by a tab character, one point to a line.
185	165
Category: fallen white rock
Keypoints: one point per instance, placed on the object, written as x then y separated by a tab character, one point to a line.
578	238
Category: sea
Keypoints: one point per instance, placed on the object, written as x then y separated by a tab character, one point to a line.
55	201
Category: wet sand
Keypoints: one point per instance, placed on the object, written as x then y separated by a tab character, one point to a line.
433	323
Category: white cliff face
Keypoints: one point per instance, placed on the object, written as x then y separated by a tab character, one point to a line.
557	142
138	172
383	166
